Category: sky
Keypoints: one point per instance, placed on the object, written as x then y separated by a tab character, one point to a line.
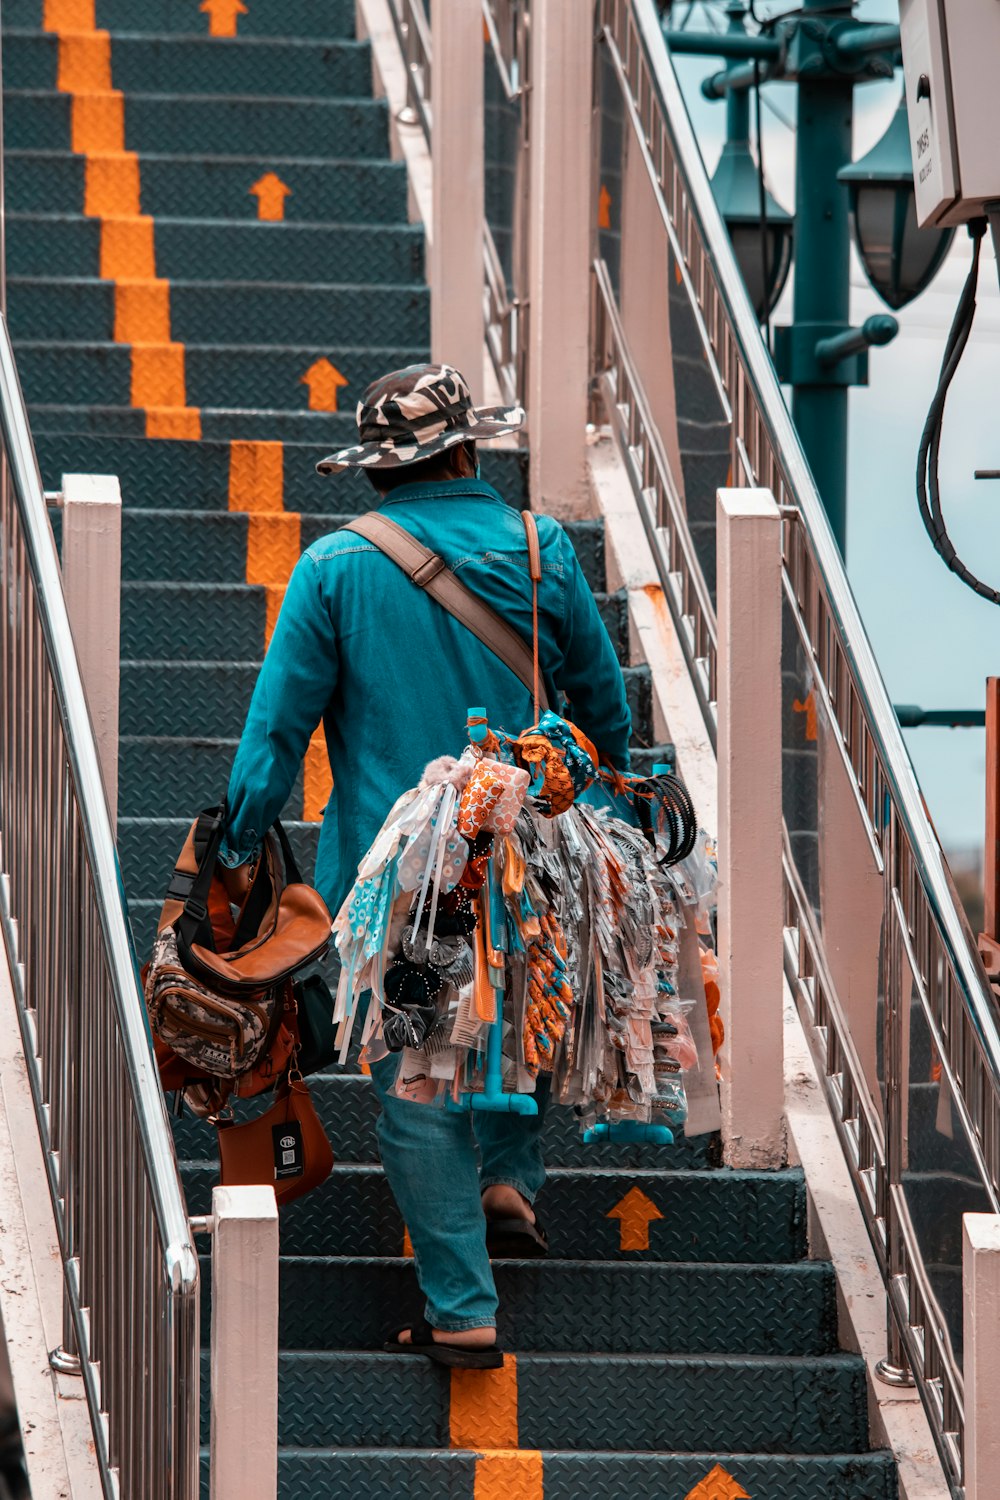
934	639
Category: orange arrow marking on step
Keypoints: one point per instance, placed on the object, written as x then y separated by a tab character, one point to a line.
718	1485
223	16
604	208
635	1213
324	381
809	709
270	193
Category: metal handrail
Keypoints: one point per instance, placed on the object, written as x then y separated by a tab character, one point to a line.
508	37
925	931
660	506
506	312
413	35
505	316
498	319
131	1270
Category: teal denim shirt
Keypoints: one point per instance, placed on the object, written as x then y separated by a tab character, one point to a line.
392	674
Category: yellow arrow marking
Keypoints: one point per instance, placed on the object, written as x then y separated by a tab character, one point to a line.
270	193
324	381
718	1485
223	16
635	1213
809	709
604	208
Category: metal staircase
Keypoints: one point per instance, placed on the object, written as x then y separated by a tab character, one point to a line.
684	1340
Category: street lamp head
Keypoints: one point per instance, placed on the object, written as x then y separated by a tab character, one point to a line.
764	259
899	258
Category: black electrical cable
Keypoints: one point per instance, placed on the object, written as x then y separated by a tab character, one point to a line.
928	487
762	191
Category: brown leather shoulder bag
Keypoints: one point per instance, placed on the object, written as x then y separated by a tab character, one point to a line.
217	981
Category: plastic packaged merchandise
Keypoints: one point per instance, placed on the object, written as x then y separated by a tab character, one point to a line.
508	926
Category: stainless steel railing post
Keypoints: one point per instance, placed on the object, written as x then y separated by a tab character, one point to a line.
894	1369
66	1358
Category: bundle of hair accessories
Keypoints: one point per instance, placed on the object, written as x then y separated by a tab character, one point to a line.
509	924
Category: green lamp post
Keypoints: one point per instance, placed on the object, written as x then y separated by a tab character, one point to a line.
827	52
900	259
762	242
763	246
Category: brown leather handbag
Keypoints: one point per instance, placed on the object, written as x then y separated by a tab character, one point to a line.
286	1146
217	984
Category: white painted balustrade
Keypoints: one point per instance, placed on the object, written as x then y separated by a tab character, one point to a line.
244	1427
750	880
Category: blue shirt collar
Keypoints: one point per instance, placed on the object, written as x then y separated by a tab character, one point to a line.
443	489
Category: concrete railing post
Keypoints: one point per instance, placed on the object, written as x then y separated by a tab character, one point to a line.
244	1396
561	72
981	1317
456	249
750	881
92	574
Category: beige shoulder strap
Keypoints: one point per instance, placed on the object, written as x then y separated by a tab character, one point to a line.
535	569
430	573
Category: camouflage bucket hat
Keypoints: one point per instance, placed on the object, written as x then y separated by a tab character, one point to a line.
413	413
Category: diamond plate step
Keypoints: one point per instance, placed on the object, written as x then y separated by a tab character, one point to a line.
188	698
346	1104
217	187
227	313
936	1202
196	65
160	621
258	375
159	776
573	1307
218	424
296	18
37	120
206	547
753	1218
188	475
344	1474
931	1149
235	614
45	244
654	1403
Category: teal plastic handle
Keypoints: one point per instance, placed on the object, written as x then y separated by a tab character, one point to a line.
634	1131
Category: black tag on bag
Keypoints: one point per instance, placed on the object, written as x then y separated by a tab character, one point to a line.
289	1156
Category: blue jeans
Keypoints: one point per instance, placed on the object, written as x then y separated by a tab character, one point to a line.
429	1156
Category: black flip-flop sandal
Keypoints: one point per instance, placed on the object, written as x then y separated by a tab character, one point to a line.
515	1239
455	1356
